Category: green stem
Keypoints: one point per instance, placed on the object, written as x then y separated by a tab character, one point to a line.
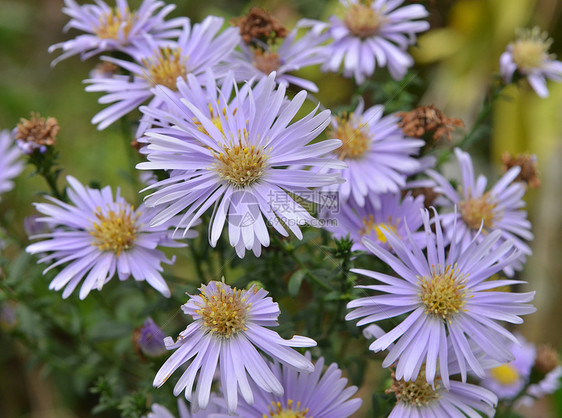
197	262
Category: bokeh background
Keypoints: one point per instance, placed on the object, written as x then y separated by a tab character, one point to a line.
455	59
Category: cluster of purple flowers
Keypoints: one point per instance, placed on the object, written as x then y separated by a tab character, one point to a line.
231	143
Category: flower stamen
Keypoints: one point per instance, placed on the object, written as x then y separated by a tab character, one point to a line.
444	293
276	410
240	164
355	141
416	392
369	225
225	313
362	21
115	231
165	67
478	211
531	48
113	22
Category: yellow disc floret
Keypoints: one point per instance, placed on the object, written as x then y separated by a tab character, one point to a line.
115	231
355	141
241	164
276	410
417	392
165	67
505	374
531	48
224	314
112	22
370	225
477	211
362	21
444	293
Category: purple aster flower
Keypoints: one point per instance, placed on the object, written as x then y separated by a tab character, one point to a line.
507	380
320	394
97	236
11	164
212	411
529	56
197	49
150	339
117	28
373	33
446	301
389	212
496	209
286	55
418	398
378	155
239	156
229	328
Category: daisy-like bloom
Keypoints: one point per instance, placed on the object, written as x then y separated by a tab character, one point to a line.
98	235
446	301
507	380
320	394
528	56
240	156
496	209
378	155
212	411
10	162
198	48
373	33
229	328
389	212
418	398
117	28
282	55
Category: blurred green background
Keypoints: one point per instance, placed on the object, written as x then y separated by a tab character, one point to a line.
455	59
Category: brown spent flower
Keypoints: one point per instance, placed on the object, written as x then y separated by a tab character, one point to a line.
528	164
259	24
428	120
38	130
547	359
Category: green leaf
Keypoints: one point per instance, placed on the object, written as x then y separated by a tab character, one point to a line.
295	282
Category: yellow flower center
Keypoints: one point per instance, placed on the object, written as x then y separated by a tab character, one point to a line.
224	314
443	294
111	23
355	142
165	67
240	164
417	392
266	61
531	48
505	374
475	211
115	231
362	21
369	225
276	410
215	119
